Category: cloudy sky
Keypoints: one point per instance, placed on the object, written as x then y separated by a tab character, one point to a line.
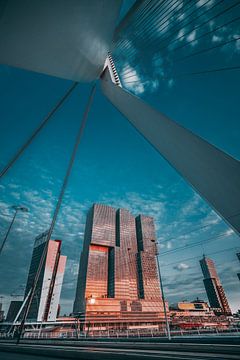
115	165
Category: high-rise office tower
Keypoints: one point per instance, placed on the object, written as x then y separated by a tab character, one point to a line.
213	286
238	256
118	266
1	313
45	303
13	310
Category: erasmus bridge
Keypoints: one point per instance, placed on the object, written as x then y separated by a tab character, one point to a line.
83	41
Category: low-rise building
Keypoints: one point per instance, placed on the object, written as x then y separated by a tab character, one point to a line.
194	315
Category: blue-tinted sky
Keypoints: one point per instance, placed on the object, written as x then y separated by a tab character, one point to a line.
116	166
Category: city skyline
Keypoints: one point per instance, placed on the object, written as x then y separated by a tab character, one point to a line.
113	234
171	299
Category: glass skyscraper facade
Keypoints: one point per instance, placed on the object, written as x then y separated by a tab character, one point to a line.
118	266
214	289
238	256
45	303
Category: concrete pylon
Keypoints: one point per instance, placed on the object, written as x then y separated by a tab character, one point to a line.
69	39
211	172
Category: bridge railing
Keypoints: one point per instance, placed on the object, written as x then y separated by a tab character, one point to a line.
132	333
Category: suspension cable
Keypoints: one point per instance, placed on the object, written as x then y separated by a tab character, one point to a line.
57	208
127	49
159	24
37	131
207	71
198	256
165	46
222	44
176	28
220	27
136	20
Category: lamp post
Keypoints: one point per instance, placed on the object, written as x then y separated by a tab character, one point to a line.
77	323
163	297
16	209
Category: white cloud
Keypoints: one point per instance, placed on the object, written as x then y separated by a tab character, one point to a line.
137	84
229	232
200	3
206	2
132	80
237	43
191	207
180	34
216	38
72	267
181	267
15	195
170	83
191	36
13	186
137	203
162	29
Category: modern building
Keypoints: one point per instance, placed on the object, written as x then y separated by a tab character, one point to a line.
14	308
195	315
215	292
1	313
118	274
238	256
191	308
45	303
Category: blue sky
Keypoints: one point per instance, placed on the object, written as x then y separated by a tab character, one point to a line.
116	166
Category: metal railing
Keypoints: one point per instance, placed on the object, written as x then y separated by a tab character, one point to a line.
136	333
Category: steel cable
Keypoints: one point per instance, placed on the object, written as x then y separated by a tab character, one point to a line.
57	208
37	131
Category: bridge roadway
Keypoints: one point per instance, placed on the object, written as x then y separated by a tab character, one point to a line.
101	350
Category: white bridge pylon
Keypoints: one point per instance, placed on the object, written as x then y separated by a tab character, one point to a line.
69	39
211	172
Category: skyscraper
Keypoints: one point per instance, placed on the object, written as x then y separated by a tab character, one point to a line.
213	286
13	310
1	313
238	256
45	303
118	265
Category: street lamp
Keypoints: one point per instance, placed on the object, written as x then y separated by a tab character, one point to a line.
16	208
91	301
78	317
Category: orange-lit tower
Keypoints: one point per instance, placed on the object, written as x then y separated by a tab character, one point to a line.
118	266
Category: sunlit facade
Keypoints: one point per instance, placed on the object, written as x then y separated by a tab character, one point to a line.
118	273
195	315
45	303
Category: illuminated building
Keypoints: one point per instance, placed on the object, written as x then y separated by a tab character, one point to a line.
214	289
195	315
45	303
193	308
118	273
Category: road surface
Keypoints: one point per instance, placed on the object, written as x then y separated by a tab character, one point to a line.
119	351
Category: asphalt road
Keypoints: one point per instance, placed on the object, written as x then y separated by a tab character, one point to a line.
118	352
12	356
